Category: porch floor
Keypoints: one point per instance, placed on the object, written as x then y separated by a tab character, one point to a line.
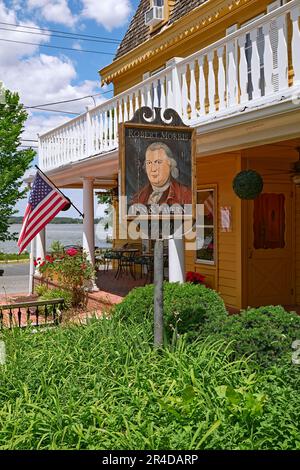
106	281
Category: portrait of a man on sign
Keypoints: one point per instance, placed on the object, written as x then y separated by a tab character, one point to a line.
158	167
163	186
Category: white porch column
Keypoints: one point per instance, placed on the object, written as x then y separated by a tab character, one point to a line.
40	247
88	241
41	244
176	260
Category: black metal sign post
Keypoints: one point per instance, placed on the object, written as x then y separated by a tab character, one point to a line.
156	163
158	293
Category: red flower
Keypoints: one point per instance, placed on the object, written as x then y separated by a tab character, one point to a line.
49	259
42	264
71	252
195	278
35	263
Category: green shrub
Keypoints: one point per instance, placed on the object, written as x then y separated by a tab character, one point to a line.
266	333
41	289
50	294
57	248
186	307
102	386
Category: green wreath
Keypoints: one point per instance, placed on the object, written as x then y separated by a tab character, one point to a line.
248	184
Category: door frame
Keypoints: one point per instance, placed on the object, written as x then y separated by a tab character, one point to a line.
245	236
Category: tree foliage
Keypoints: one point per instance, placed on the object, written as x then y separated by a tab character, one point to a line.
13	161
107	199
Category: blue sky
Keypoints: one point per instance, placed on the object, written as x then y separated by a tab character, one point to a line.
45	75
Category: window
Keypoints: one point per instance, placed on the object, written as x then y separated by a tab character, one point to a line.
206	247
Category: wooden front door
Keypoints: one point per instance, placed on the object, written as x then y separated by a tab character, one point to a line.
270	247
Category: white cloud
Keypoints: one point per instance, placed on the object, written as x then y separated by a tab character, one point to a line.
56	11
109	13
77	45
41	78
38	124
11	52
47	79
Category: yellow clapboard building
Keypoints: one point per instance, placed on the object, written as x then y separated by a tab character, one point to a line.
231	70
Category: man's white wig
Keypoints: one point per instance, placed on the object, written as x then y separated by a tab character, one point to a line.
169	153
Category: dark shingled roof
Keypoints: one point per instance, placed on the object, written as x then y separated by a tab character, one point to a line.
138	32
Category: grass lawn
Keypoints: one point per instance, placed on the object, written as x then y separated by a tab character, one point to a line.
13	257
101	386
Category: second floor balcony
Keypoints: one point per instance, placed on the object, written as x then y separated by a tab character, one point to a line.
252	69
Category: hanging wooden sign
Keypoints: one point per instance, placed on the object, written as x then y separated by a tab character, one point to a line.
157	165
157	184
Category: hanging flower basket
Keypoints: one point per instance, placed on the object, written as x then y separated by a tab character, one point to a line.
248	184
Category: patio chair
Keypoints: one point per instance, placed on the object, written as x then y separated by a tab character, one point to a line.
110	255
148	263
143	262
100	259
127	260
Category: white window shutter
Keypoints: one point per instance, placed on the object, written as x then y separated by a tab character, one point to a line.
274	5
277	49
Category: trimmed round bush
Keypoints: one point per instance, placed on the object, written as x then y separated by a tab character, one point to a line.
187	307
248	184
265	333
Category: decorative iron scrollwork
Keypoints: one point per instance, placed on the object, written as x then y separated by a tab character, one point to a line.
168	117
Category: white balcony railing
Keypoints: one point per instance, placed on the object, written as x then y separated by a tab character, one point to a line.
256	65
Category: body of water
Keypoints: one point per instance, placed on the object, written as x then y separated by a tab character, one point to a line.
67	234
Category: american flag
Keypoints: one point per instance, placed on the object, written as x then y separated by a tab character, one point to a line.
44	203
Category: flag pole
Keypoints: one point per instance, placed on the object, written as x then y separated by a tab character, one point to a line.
82	215
31	268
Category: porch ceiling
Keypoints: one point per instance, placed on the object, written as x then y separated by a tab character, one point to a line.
254	128
276	123
102	168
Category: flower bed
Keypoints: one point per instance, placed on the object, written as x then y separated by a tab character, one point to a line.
195	278
72	270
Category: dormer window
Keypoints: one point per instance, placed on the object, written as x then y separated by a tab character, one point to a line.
156	14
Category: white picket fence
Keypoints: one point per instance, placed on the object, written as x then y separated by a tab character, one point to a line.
252	67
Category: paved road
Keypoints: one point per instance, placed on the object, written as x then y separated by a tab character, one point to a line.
15	278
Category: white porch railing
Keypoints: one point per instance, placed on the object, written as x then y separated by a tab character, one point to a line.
254	66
